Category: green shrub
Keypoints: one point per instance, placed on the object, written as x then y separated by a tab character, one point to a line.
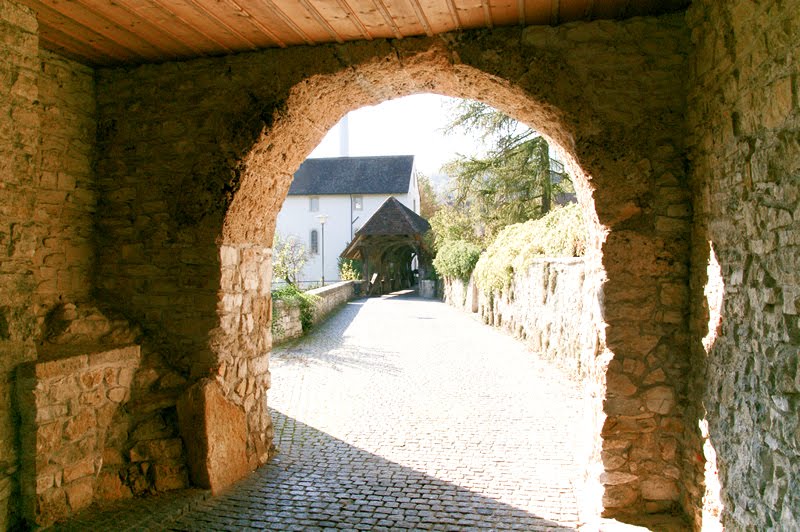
293	295
561	233
456	259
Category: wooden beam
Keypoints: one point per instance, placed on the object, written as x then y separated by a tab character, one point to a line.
54	40
422	18
487	14
356	21
589	10
321	21
555	8
123	18
388	18
289	22
163	27
454	13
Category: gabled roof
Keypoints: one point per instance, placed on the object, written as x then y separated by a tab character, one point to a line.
394	218
392	224
387	174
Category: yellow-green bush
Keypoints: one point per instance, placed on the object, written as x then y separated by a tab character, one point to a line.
456	259
561	233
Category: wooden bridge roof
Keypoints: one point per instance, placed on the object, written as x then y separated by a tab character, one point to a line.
392	223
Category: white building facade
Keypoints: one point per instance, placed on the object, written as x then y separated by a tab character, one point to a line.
345	192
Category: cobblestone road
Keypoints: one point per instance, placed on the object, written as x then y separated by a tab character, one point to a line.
401	412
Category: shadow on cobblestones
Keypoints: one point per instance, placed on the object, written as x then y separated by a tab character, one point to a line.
320	482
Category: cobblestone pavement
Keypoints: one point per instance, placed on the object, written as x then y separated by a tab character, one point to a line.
401	412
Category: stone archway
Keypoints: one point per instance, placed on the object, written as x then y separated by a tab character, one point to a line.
627	373
613	105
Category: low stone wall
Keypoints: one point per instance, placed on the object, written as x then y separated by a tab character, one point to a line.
330	297
287	316
547	307
66	406
285	321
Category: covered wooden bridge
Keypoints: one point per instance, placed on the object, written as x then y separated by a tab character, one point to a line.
390	247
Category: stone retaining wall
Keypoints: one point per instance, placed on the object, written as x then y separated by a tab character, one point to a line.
287	316
286	323
549	307
331	297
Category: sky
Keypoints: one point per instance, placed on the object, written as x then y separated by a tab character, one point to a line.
412	125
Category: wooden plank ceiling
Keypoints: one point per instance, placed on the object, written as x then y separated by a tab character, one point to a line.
115	32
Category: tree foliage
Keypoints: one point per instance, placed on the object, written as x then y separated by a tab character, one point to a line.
453	222
289	255
428	201
511	183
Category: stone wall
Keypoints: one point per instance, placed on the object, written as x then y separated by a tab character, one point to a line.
65	196
286	323
331	297
46	152
743	123
553	309
550	308
67	406
19	139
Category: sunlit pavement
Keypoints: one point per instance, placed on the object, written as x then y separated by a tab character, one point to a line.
401	412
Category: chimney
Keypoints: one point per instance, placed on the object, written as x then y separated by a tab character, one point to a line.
344	137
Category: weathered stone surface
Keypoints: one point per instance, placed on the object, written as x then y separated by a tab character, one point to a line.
215	433
64	427
631	111
745	158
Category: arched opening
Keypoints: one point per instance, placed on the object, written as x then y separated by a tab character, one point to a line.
266	173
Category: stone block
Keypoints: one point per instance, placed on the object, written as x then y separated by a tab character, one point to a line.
157	450
660	399
51	506
76	470
109	487
620	496
170	477
80	493
80	424
215	433
660	489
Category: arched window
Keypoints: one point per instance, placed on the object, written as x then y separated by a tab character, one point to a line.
314	241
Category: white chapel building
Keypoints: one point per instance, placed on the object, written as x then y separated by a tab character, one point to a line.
344	192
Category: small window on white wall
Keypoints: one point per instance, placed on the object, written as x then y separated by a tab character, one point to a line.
314	242
313	204
415	206
358	203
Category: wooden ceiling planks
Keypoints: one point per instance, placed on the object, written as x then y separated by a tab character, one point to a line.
95	36
107	32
